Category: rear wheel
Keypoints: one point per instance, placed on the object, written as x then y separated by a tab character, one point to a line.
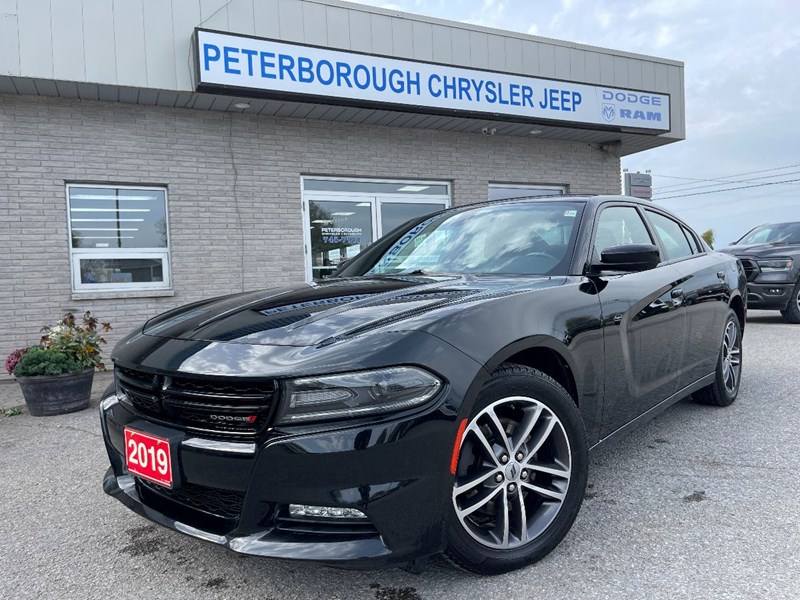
792	311
521	473
725	388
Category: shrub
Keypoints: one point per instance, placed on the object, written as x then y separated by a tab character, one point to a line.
46	361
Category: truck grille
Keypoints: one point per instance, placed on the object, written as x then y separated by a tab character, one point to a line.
208	404
751	269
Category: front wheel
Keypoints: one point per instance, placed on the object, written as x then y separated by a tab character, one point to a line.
728	375
792	311
521	473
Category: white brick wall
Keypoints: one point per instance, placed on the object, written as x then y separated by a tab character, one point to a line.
221	242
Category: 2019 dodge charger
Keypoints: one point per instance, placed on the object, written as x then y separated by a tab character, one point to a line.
440	394
770	255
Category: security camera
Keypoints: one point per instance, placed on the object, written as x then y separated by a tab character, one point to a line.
485	131
493	130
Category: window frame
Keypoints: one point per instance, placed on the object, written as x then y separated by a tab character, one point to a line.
683	228
596	226
78	254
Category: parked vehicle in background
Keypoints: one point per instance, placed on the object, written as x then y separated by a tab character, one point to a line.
439	394
770	255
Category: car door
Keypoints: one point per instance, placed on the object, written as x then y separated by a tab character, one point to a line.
705	294
643	322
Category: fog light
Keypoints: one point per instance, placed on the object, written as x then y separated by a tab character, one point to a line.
333	512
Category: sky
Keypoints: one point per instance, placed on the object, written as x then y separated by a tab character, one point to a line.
742	80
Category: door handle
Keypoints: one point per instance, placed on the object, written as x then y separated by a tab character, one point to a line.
677	293
721	275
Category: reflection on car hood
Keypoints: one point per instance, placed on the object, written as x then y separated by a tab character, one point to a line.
319	313
762	250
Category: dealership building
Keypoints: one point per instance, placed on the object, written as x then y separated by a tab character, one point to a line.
156	152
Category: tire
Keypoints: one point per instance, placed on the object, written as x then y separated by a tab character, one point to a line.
721	393
792	312
547	432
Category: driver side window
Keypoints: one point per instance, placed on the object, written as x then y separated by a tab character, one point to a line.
619	226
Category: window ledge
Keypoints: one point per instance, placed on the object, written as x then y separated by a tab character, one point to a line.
117	295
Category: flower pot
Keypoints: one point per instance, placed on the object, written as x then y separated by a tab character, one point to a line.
47	395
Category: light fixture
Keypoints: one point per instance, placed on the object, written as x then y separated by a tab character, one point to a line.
242	105
363	204
322	221
342	214
304	510
535	131
413	188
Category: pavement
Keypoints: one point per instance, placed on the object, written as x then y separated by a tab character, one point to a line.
702	502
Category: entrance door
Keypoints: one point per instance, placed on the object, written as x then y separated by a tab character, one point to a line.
344	216
339	229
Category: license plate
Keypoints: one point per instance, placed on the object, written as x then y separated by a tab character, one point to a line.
148	456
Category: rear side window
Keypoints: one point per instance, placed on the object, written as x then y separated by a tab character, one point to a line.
696	244
619	226
671	235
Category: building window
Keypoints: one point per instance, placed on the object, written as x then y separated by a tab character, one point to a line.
119	238
505	191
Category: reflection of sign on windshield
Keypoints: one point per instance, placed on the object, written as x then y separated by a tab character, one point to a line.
391	255
342	235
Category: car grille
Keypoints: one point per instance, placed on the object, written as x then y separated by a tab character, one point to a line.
229	408
214	501
751	269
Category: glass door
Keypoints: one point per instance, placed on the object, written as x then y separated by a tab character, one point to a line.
393	212
342	216
338	230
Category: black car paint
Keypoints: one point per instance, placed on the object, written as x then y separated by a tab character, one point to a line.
624	345
761	286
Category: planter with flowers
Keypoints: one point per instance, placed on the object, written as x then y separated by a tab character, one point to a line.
56	376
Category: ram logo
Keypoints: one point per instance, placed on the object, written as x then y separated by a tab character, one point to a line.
609	113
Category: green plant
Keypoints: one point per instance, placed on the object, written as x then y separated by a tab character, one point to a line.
46	361
81	342
12	412
709	237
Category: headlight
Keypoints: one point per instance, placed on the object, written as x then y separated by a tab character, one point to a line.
356	394
776	264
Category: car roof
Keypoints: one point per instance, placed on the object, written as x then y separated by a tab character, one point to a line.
591	199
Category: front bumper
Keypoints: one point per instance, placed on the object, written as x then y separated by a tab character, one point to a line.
236	494
769	296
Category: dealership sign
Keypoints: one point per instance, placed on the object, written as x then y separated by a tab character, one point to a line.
285	70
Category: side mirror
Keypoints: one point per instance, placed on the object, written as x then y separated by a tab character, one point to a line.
630	258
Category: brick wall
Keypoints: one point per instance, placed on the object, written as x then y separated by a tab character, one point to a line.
221	241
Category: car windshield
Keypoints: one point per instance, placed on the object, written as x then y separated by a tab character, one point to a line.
518	238
782	233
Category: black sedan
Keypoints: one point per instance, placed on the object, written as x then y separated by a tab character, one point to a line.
440	394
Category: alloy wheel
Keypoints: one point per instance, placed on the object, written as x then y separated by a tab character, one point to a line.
731	357
513	472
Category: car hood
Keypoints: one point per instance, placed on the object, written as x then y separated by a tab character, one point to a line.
762	250
320	313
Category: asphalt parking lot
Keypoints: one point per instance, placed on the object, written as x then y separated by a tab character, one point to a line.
700	503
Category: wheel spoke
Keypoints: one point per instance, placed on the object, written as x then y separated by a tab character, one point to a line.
502	519
522	515
543	491
500	431
538	443
476	481
490	453
480	503
526	427
550	470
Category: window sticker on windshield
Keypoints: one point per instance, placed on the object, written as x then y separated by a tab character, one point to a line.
570	213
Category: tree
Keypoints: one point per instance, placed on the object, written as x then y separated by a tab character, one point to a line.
708	236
